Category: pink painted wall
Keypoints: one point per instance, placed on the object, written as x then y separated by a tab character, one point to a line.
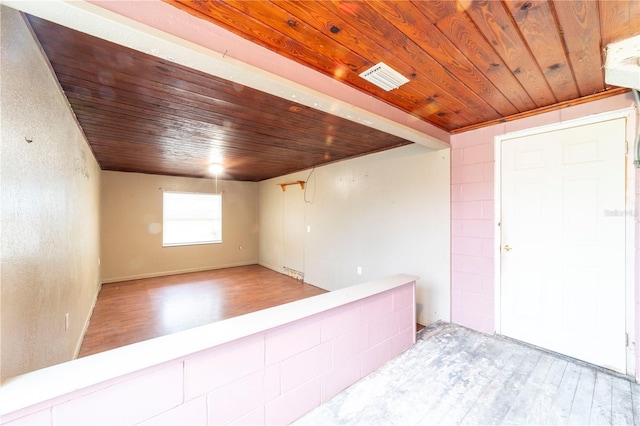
273	376
472	213
472	199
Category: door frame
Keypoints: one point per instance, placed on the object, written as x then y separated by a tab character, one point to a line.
629	115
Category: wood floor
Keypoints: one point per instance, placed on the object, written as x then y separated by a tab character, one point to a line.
133	311
453	375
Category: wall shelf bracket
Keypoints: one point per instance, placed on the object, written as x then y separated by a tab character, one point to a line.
284	185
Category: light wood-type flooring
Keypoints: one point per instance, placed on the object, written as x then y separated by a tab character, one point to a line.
133	311
454	375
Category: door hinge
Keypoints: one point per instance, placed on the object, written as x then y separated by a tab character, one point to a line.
626	339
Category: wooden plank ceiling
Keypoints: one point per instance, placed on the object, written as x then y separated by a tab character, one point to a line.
470	64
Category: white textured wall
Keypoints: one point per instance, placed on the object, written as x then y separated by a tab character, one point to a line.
131	223
387	213
50	210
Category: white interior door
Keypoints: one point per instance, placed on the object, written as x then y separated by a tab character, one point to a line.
563	241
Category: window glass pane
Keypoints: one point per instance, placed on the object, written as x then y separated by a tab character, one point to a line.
191	218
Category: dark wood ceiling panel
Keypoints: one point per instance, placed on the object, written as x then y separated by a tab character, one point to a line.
250	19
619	19
463	33
445	50
470	64
580	29
468	61
495	23
421	94
425	72
539	29
143	114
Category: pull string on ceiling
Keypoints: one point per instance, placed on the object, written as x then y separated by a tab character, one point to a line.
216	169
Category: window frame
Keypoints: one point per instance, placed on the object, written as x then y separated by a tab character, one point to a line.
193	241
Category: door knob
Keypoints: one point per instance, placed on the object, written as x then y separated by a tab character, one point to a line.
507	247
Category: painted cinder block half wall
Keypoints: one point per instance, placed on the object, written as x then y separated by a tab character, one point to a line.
272	376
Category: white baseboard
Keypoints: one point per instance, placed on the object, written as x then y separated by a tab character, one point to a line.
277	269
175	272
87	320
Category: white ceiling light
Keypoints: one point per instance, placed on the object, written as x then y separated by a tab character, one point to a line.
385	77
216	168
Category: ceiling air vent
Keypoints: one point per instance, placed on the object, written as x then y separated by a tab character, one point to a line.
383	76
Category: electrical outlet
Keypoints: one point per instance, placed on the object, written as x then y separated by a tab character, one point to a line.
359	270
308	228
66	321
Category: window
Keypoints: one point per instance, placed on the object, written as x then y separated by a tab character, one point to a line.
191	218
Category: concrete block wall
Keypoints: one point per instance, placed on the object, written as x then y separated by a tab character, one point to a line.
472	232
270	377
